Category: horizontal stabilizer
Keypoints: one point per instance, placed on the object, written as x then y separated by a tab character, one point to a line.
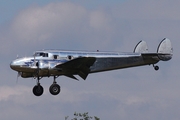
141	47
165	50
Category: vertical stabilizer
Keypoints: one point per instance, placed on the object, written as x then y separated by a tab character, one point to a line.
165	50
141	47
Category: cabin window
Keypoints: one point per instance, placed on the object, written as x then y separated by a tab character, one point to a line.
55	56
70	57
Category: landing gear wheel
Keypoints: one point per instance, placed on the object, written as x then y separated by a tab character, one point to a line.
38	90
54	89
156	68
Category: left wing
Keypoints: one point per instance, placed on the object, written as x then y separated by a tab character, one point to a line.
80	66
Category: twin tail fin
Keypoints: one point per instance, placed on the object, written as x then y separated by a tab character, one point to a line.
164	50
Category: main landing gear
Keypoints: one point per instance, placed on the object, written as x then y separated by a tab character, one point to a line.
38	89
54	89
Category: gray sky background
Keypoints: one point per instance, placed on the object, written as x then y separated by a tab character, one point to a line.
135	93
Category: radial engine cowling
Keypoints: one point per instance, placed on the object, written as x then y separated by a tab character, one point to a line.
26	75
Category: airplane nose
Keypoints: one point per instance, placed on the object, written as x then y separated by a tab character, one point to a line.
12	65
19	64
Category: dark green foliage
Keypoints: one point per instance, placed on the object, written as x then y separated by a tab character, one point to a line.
82	116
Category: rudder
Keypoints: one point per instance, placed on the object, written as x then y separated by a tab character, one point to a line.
165	50
141	47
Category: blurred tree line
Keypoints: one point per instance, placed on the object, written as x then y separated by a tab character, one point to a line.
82	116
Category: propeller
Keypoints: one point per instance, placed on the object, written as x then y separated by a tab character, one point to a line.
34	59
19	74
36	64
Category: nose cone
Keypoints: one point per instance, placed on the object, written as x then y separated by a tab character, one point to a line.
13	65
20	64
16	64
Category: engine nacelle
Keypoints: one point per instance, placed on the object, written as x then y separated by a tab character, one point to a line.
26	75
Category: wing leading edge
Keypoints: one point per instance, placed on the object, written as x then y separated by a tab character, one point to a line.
80	66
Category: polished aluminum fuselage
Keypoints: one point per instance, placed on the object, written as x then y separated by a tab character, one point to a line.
104	61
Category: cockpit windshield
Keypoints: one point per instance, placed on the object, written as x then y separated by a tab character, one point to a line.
41	54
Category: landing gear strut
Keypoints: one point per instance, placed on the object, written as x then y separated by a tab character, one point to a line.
54	89
38	89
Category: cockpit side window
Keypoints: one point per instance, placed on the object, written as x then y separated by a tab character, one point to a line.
41	54
37	54
45	55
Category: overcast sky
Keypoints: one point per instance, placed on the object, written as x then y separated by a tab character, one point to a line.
139	93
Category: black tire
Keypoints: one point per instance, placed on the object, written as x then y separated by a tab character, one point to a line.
54	89
156	68
38	90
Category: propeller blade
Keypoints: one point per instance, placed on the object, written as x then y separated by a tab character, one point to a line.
34	59
19	74
37	64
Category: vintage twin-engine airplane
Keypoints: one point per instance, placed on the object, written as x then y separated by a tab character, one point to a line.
55	63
